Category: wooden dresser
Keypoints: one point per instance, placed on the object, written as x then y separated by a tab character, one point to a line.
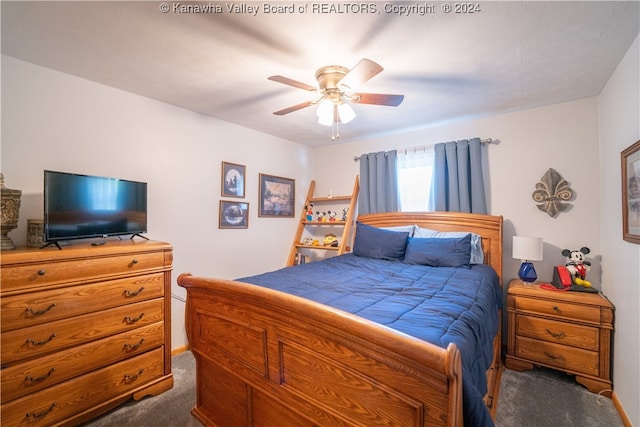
84	329
565	330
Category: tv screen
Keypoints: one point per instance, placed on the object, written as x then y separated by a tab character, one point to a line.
83	206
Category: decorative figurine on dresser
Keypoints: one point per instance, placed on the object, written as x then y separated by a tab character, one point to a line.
561	326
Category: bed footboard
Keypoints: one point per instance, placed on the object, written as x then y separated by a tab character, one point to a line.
267	358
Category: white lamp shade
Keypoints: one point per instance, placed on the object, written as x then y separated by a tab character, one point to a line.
325	112
346	113
527	248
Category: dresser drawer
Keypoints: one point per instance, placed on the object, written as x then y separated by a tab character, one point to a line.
31	376
558	356
585	337
61	401
42	339
35	308
557	308
77	271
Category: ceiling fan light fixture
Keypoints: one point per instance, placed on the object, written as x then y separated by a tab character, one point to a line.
335	84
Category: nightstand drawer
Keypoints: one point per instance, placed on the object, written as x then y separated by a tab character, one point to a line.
558	356
580	336
557	308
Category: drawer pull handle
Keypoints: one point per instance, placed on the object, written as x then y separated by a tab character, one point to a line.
130	321
135	261
552	357
39	415
32	380
41	272
555	308
128	294
128	379
39	312
129	348
43	342
558	335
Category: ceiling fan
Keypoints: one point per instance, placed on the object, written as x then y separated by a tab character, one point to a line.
336	86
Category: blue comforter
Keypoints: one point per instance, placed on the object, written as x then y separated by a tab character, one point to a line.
440	305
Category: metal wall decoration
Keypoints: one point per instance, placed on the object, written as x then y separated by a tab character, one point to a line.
551	192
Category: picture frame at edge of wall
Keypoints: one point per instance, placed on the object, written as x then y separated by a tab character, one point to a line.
630	159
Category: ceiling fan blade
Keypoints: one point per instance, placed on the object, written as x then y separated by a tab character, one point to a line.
294	108
294	83
377	99
363	71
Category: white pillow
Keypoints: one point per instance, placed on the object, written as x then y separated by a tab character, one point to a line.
477	256
402	228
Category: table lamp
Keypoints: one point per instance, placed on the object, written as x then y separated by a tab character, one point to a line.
527	249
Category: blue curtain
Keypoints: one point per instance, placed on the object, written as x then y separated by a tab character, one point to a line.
458	183
378	182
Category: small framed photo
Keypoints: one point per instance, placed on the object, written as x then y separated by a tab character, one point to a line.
277	196
631	193
233	180
233	214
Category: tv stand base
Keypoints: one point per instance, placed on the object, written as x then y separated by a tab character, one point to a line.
139	235
53	242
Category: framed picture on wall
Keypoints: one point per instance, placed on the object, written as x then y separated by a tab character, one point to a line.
277	196
631	193
233	214
233	180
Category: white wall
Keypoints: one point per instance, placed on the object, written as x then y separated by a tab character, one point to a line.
562	136
57	121
619	108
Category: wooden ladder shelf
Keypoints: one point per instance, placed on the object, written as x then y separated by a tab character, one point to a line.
314	228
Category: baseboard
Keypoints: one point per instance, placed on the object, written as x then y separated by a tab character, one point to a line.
623	415
179	350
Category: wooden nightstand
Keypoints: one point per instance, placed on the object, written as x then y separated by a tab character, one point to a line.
565	330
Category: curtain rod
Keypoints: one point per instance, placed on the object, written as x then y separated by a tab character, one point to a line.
482	141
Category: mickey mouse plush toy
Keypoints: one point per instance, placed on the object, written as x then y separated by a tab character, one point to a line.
577	266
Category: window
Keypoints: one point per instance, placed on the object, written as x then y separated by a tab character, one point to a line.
414	179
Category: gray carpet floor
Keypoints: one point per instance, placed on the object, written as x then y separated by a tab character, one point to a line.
537	398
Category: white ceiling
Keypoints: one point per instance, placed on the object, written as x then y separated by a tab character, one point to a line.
506	56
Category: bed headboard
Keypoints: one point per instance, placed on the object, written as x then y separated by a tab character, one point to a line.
487	226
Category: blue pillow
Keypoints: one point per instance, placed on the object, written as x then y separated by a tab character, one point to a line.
477	256
373	242
439	252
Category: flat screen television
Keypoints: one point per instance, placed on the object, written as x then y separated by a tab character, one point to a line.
84	206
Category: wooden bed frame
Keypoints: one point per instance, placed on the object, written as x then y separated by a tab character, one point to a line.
266	358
